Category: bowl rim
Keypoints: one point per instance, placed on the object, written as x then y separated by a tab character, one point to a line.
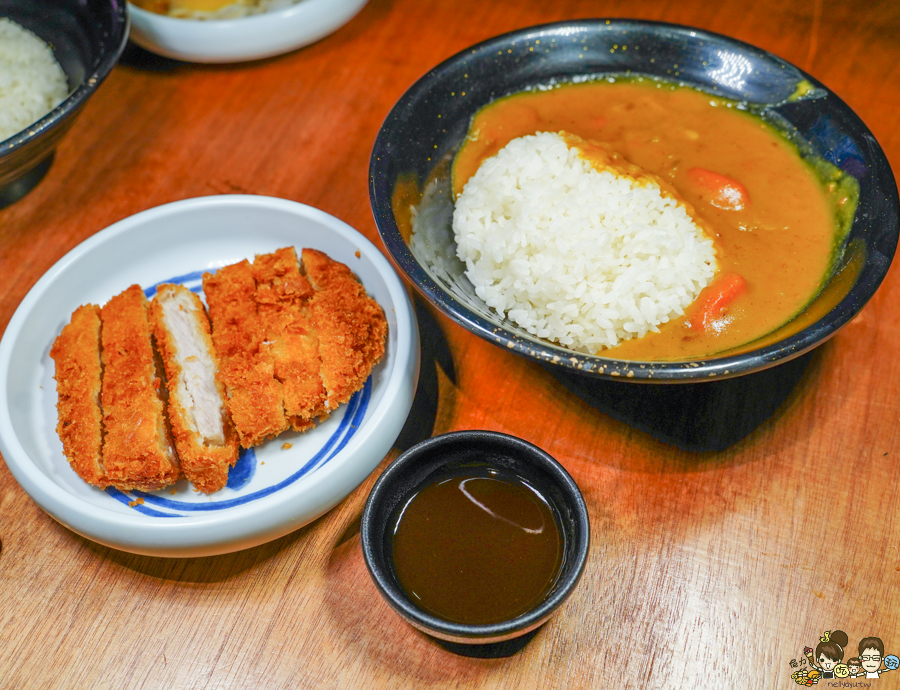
77	98
299	7
461	632
192	535
711	368
254	37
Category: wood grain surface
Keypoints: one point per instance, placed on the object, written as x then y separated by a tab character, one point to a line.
707	570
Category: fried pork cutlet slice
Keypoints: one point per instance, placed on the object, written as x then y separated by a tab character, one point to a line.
206	441
137	449
76	353
246	366
350	326
282	293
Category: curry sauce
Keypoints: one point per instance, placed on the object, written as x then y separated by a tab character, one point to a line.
772	216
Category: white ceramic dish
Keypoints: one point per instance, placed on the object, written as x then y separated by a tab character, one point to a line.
271	491
238	40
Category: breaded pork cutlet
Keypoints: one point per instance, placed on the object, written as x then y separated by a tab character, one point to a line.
282	293
76	353
349	324
206	442
246	366
137	448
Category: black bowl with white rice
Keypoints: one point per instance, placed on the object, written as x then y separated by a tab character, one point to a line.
492	283
53	56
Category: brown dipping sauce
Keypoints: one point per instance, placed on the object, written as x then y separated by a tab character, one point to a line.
782	243
477	546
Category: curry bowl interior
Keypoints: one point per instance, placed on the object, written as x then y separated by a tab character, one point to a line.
418	140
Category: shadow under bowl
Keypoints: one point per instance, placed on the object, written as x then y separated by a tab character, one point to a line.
87	38
425	129
435	458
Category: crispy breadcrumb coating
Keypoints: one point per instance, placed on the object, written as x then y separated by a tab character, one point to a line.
284	344
204	437
350	325
282	293
137	449
247	367
76	353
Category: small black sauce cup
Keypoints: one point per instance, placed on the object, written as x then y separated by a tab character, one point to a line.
434	456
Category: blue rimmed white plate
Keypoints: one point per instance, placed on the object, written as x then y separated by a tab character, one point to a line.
274	488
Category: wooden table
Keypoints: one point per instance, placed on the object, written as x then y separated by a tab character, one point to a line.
708	570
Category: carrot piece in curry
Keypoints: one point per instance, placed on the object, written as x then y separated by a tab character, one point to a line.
724	193
716	297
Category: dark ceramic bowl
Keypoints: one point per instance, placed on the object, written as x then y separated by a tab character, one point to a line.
438	455
87	37
427	125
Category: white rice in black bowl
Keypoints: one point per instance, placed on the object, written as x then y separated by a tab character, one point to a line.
582	257
32	83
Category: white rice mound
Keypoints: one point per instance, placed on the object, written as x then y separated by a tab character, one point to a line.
31	81
573	255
